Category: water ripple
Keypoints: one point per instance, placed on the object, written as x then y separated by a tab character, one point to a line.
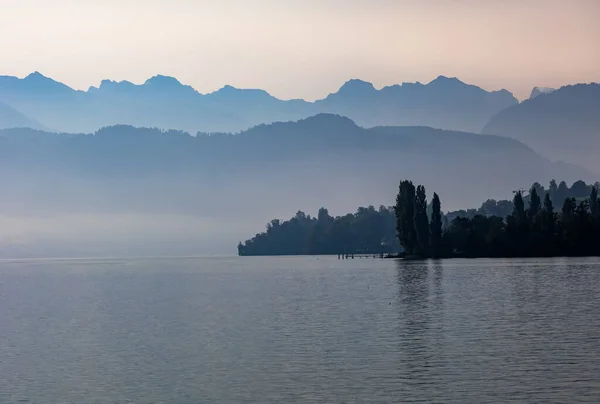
282	330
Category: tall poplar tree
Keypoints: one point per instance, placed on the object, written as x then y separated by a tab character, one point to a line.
421	222
405	212
436	226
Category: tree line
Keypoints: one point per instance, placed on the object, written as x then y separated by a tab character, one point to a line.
533	228
528	225
502	208
367	231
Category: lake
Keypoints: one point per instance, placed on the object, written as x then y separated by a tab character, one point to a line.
299	329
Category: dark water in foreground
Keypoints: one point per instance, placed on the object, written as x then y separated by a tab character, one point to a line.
281	330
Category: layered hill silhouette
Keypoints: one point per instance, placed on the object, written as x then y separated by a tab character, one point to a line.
280	167
563	124
164	102
150	191
11	118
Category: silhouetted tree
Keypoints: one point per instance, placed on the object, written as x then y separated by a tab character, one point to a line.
539	189
519	210
553	189
318	240
518	225
595	215
568	210
561	193
594	203
567	225
548	224
534	204
533	213
436	226
579	189
421	222
405	213
583	229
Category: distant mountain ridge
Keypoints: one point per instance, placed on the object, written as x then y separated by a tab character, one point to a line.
164	102
11	118
563	124
324	159
125	186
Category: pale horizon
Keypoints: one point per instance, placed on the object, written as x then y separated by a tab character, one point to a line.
304	49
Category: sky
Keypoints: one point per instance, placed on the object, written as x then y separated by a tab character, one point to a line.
304	48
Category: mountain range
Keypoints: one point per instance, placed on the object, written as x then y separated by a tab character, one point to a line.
148	191
65	180
563	124
269	170
164	102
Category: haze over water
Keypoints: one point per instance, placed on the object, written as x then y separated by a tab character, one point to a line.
299	329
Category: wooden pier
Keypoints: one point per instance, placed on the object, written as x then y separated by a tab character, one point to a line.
358	256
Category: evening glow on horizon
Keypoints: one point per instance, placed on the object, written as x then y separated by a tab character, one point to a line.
303	48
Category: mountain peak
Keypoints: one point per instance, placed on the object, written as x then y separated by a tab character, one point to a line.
169	84
357	86
229	89
113	85
445	80
36	81
163	81
540	90
35	75
354	90
230	92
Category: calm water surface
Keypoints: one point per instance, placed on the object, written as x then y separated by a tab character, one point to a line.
309	329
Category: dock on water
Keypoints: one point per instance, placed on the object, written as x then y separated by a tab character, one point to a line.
353	256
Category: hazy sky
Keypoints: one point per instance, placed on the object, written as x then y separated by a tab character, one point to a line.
304	48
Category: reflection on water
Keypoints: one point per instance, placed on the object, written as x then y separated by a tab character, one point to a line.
309	329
